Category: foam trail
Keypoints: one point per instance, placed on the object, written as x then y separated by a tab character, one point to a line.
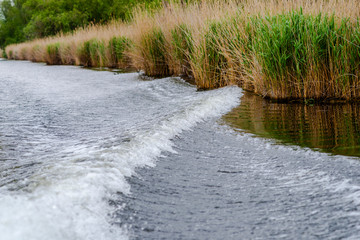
70	199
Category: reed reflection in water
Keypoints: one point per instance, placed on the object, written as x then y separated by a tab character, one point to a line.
333	128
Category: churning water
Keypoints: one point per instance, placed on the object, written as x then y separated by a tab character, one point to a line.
97	155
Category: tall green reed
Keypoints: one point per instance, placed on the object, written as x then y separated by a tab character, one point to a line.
52	54
118	47
153	51
92	53
182	41
304	56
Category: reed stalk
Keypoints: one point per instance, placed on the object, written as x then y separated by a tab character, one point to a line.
3	53
52	53
293	49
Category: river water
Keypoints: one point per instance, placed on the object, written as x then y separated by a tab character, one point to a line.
100	155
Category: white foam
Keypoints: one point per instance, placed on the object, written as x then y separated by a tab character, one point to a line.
68	199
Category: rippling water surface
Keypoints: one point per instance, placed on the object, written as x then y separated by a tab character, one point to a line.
98	155
332	128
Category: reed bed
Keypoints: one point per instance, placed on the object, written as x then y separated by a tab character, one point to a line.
281	49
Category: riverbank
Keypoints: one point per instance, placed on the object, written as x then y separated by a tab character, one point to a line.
278	49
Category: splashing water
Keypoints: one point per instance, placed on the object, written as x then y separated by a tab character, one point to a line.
70	137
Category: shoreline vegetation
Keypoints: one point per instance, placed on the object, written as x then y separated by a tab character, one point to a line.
279	49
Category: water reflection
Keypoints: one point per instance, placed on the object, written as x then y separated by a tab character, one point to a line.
333	128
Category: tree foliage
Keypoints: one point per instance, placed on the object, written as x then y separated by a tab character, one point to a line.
22	20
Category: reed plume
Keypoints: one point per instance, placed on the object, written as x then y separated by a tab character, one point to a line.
281	49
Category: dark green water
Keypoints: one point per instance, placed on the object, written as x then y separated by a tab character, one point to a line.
333	128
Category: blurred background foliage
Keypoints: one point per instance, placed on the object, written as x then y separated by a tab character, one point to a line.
22	20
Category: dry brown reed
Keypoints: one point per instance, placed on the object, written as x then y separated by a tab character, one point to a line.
37	50
212	41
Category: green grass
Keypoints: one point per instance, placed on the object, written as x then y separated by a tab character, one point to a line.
83	54
4	54
213	54
53	55
182	41
208	62
92	53
298	52
117	47
97	53
286	56
154	53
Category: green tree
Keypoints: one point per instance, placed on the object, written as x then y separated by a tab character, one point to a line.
13	20
22	20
